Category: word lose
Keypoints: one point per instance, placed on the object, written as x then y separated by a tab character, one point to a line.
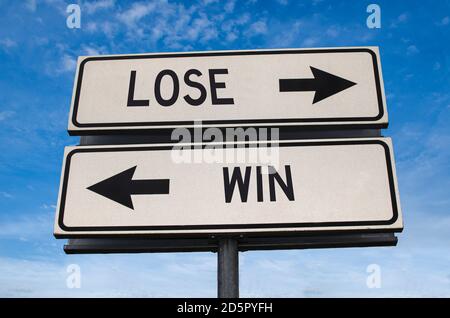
189	79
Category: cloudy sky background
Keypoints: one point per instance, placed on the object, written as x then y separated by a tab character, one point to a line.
37	63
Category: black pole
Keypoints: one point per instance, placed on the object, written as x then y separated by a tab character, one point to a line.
228	268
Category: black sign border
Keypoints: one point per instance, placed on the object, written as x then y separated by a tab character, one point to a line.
271	226
168	124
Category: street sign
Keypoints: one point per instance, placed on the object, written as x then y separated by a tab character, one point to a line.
337	185
293	87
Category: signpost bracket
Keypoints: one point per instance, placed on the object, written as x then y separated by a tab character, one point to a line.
211	244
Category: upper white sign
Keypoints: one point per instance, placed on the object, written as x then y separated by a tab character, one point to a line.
307	87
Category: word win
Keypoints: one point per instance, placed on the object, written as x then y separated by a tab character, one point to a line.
243	183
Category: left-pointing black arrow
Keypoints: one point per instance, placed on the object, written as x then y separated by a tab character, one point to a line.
121	186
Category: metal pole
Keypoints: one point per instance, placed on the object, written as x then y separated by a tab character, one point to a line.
228	268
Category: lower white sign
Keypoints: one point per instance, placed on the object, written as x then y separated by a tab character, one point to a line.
308	186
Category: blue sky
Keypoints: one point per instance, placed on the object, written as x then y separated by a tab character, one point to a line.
37	62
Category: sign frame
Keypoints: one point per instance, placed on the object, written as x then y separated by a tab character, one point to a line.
62	231
76	128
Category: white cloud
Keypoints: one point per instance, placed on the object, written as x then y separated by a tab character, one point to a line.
444	21
229	6
201	28
63	63
92	7
48	206
137	11
25	278
401	19
257	28
108	28
333	31
29	227
412	50
68	63
31	5
145	275
6	114
283	2
93	50
310	41
41	41
59	5
289	39
91	26
241	20
8	43
179	26
208	2
6	195
231	36
232	27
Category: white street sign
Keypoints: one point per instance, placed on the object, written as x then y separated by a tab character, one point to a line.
295	87
316	185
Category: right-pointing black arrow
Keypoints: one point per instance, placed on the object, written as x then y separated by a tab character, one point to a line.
121	186
323	83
